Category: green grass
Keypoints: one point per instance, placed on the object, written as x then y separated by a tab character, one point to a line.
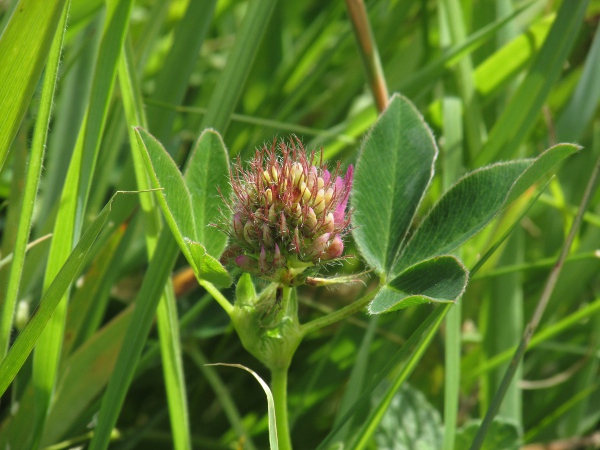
97	324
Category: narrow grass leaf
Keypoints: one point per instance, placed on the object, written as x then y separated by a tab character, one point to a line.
207	174
26	340
168	329
24	47
393	171
31	184
441	279
270	403
519	116
584	102
178	66
503	434
239	62
146	302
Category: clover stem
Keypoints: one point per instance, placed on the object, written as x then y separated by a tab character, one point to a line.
216	294
338	315
279	391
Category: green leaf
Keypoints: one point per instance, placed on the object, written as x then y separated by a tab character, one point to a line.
473	202
410	423
393	171
175	200
273	441
208	171
208	268
502	435
25	342
441	279
24	47
519	116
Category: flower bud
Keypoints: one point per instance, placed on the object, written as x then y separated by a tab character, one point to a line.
319	245
297	174
283	229
245	263
304	192
336	248
262	261
274	175
277	259
311	219
266	177
319	203
328	196
249	232
238	226
267	235
328	223
272	214
269	197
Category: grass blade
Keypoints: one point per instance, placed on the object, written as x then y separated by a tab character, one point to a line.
167	309
20	350
31	185
519	116
227	92
24	47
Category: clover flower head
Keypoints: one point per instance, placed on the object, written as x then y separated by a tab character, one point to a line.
289	212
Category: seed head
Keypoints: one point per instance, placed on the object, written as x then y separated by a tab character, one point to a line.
289	212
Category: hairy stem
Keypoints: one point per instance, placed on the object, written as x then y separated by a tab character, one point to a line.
338	315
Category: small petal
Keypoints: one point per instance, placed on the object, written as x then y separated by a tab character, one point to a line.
312	177
326	176
340	210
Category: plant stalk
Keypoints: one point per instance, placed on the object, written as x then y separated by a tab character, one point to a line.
279	391
338	315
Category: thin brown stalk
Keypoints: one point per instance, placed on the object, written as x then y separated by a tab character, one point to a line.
368	50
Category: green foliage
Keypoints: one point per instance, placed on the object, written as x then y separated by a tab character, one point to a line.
393	171
454	165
